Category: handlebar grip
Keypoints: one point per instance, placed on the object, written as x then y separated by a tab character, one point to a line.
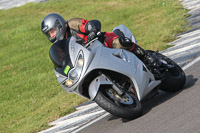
98	33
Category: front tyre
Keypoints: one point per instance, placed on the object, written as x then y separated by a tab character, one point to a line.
126	106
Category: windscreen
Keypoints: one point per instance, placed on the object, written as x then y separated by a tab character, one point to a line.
59	54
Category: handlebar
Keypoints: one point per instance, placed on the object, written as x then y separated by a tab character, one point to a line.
88	43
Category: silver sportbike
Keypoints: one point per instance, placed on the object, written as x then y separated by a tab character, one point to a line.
114	78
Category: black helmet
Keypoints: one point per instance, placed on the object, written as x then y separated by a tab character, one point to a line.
54	21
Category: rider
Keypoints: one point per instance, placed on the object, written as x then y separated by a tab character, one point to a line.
56	28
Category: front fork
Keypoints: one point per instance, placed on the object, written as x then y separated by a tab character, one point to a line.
103	80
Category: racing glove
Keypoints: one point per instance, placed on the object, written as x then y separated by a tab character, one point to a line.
92	35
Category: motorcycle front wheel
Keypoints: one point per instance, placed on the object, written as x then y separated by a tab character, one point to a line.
126	106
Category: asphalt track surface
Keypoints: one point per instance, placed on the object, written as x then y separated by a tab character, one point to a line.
166	113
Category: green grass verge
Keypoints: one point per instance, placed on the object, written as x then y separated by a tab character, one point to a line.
30	96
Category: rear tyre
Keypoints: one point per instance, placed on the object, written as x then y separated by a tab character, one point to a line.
126	106
175	80
175	75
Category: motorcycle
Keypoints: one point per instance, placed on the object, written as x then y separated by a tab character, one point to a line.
114	78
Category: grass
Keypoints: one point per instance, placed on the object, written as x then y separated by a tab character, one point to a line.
30	96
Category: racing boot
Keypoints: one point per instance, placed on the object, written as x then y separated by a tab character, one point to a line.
147	57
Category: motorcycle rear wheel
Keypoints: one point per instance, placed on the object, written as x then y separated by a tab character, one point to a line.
126	106
175	76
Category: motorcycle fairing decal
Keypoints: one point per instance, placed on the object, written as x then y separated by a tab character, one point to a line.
66	69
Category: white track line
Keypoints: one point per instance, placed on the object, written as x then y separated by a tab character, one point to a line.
90	123
191	63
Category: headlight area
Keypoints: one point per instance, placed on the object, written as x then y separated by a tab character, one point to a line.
75	73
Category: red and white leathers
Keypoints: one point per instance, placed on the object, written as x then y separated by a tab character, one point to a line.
81	28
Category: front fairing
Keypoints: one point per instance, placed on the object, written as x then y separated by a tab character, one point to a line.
97	57
65	60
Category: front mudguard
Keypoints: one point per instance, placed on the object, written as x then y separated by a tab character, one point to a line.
95	85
